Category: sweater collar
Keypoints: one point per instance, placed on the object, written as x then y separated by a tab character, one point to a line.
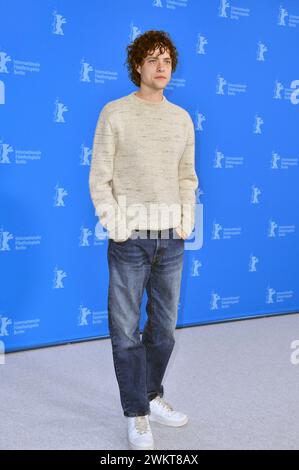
148	103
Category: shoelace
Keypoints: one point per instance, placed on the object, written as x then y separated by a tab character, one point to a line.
164	403
141	424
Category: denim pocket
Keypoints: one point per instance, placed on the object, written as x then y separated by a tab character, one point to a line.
120	242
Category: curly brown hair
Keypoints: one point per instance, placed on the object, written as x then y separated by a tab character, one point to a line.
145	44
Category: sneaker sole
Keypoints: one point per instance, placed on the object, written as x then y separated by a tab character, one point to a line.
134	447
168	423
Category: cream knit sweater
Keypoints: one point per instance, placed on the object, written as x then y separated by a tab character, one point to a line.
142	173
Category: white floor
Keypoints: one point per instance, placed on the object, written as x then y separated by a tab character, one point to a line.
235	380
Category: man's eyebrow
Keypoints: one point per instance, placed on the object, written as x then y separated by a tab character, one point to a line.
155	57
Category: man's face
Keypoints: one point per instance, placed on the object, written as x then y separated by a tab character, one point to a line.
154	66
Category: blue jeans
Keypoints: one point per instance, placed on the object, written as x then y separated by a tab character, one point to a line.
140	363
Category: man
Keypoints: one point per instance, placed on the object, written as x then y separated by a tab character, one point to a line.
142	184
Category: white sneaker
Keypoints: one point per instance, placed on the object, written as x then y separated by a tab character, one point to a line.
163	413
139	433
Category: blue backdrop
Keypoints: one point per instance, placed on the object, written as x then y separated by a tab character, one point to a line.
60	62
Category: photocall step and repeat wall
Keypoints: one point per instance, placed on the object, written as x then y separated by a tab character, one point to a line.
238	76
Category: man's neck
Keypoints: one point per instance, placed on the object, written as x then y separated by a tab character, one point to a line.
156	96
